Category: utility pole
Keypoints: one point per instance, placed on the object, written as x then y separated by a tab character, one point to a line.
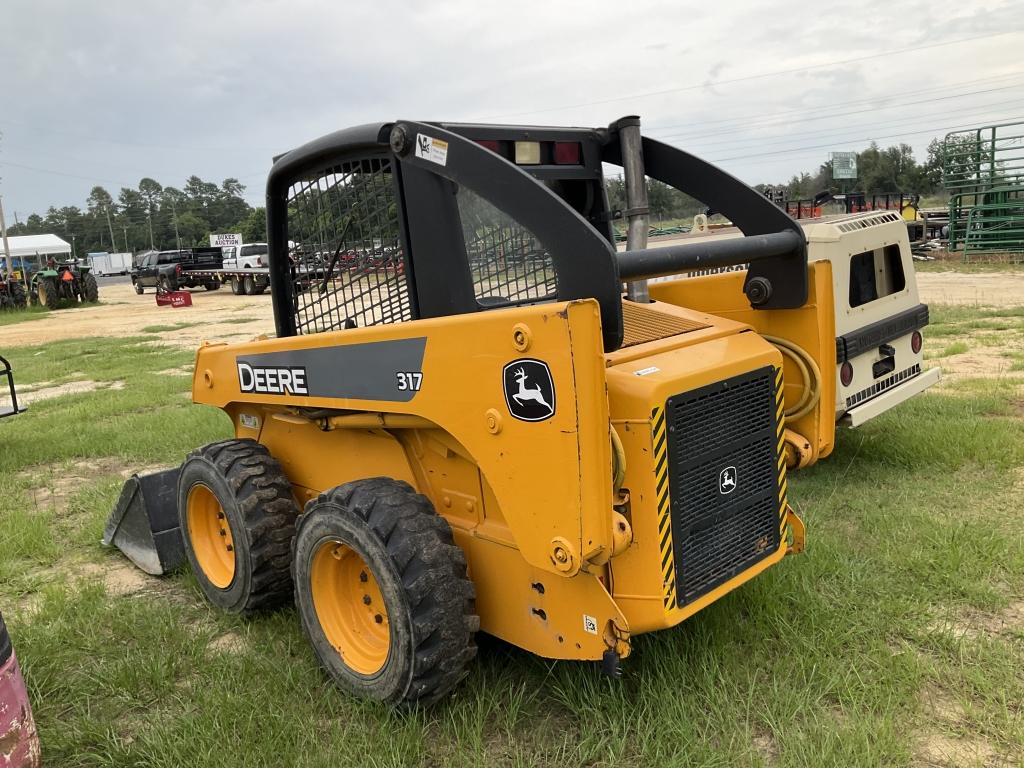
126	248
149	218
110	225
7	247
177	238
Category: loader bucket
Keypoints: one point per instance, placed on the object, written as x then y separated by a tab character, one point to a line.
144	524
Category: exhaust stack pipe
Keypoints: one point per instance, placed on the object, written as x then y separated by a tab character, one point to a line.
637	209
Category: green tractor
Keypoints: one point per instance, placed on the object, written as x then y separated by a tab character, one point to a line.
64	282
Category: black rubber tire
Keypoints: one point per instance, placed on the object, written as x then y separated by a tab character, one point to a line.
138	287
236	287
164	284
52	298
257	500
90	289
422	577
18	294
212	286
248	285
259	289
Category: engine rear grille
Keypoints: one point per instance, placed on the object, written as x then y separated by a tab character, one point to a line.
723	480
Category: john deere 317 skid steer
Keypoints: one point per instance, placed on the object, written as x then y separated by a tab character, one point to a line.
464	424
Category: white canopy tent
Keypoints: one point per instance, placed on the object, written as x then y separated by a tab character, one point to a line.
36	245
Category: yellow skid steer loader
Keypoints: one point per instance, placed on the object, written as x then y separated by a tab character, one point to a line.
464	425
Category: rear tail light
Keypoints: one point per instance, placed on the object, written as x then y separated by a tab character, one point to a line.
567	153
488	144
177	269
846	374
916	341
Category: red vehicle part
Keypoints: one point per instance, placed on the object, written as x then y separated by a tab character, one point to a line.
19	742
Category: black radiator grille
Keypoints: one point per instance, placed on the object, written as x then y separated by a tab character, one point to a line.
724	431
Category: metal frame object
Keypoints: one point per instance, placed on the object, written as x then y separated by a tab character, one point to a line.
7	373
421	220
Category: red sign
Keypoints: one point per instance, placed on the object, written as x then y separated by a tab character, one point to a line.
174	299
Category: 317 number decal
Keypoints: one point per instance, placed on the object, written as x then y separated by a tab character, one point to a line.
409	381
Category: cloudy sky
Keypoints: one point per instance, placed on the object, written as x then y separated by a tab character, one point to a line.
105	93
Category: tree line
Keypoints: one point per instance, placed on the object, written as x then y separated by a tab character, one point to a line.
879	171
150	216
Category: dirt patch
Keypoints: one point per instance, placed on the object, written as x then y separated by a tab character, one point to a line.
120	578
30	395
64	481
185	370
229	642
941	749
971	624
766	746
983	289
123	313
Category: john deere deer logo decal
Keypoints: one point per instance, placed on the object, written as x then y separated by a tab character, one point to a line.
529	390
727	480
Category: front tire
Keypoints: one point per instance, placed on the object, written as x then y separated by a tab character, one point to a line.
237	514
383	593
46	293
138	288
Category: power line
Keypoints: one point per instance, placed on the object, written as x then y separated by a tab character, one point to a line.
760	76
816	117
805	109
736	143
849	141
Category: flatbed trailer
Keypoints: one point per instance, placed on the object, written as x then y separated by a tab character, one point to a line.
247	282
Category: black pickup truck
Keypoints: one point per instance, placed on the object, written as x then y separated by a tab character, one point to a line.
171	270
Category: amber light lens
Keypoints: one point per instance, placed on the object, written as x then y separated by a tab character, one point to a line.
916	341
846	374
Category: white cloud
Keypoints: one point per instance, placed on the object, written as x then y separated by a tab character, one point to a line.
106	93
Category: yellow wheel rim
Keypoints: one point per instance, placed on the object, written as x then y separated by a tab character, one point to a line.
350	607
210	534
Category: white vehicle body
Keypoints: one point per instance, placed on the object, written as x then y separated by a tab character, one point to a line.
110	263
245	256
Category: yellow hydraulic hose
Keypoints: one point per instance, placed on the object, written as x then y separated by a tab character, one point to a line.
809	371
618	460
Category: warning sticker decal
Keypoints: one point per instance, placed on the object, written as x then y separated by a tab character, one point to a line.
429	148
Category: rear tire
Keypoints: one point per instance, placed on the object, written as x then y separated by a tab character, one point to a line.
237	516
138	288
383	593
165	284
212	286
236	286
248	285
18	295
90	289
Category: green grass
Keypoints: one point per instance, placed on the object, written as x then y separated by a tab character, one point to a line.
14	316
166	328
956	348
913	523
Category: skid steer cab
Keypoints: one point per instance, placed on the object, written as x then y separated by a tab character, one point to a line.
463	423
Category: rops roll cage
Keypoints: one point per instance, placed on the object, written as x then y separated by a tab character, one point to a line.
560	200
